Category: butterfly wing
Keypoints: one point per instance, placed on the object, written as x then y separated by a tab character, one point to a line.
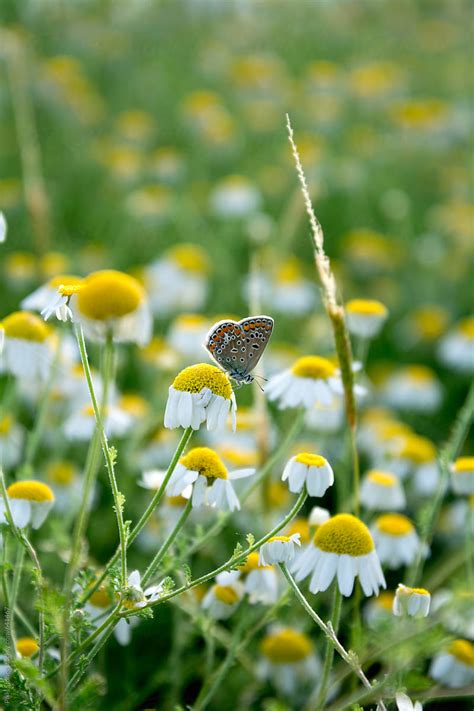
226	344
257	331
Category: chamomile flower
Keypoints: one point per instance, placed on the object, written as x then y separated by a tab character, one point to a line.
26	352
223	598
187	334
200	393
462	476
414	602
279	549
260	582
66	484
326	418
311	380
81	425
396	540
235	196
365	317
382	491
454	667
43	297
318	516
456	349
30	503
211	482
113	302
11	441
415	388
289	661
26	647
341	547
291	293
177	282
135	597
416	455
310	470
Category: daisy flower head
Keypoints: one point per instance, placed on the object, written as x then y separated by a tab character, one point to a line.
135	597
462	476
365	317
310	470
260	582
112	302
63	476
413	454
26	647
414	602
343	548
396	540
382	491
211	482
456	349
413	387
310	381
47	299
200	393
30	503
26	350
454	667
11	441
80	425
288	660
223	598
292	294
186	335
235	197
279	549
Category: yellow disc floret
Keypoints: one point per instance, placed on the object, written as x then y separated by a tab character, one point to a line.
462	464
226	594
463	650
197	377
313	367
61	472
366	307
345	535
310	460
26	326
58	281
385	600
381	478
286	646
109	294
206	462
30	490
417	449
26	646
252	564
394	524
6	423
466	327
100	598
301	526
189	257
419	373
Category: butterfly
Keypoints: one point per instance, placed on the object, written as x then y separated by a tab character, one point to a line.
237	346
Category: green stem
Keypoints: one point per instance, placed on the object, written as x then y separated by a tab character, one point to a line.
20	557
349	658
150	571
445	458
329	655
146	515
355	469
109	459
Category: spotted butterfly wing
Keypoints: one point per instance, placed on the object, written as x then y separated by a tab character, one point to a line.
237	346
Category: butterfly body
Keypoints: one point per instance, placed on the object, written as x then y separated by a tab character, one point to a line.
237	346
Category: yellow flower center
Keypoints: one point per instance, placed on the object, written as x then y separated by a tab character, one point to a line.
100	598
176	501
252	564
61	472
466	327
310	460
20	265
6	423
189	257
225	594
463	650
30	490
276	494
366	307
109	294
301	526
462	464
284	539
68	289
53	263
289	272
239	458
394	524
26	326
413	591
58	281
382	478
206	462
345	535
313	367
191	321
385	600
430	321
197	377
419	373
286	646
134	404
26	646
418	450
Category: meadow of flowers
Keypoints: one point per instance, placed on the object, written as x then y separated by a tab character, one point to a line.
178	528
